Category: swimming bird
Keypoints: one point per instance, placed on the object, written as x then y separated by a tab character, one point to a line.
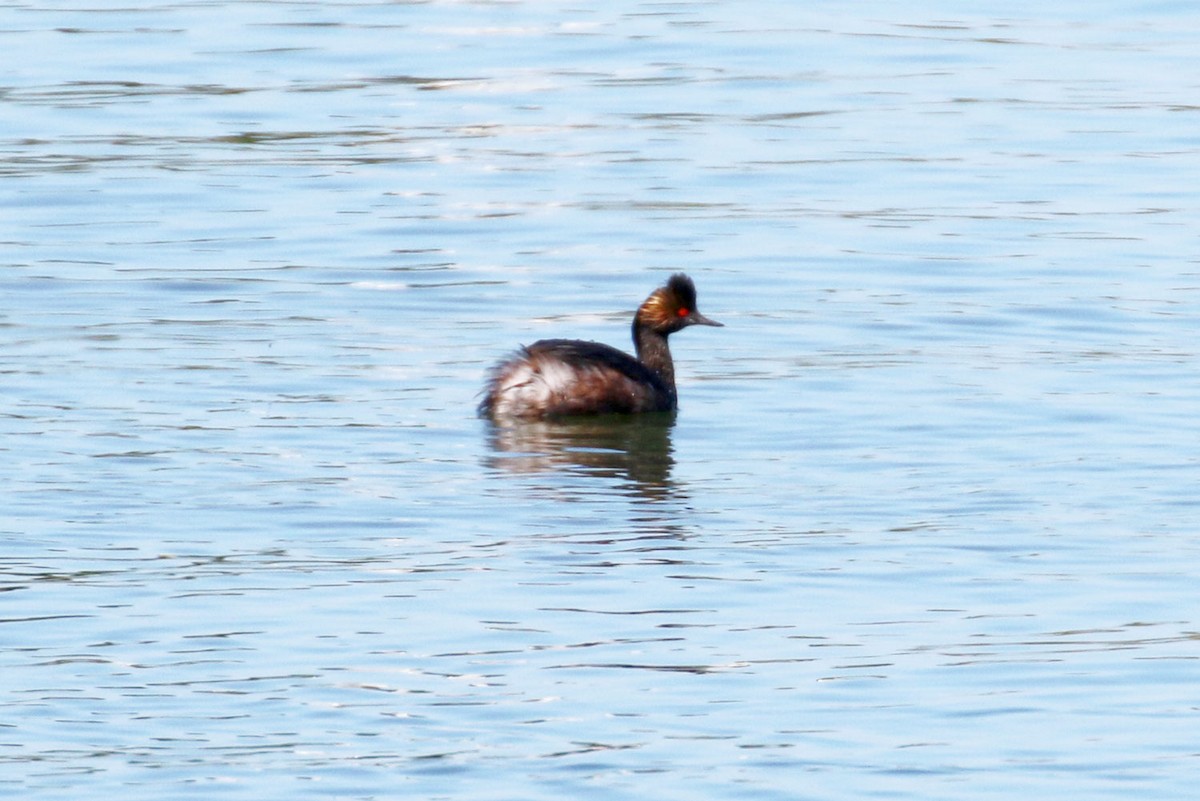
562	377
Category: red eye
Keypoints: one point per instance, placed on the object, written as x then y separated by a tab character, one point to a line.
683	312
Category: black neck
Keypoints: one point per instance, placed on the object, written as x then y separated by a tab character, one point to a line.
653	352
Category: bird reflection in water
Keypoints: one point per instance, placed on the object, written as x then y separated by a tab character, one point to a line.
632	448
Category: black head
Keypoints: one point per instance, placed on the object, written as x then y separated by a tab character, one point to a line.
672	307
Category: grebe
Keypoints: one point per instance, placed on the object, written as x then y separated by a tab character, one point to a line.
557	377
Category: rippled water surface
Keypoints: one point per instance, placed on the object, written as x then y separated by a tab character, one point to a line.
923	528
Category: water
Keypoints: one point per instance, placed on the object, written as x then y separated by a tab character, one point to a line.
923	527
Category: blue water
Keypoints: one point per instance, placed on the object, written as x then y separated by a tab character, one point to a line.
923	528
